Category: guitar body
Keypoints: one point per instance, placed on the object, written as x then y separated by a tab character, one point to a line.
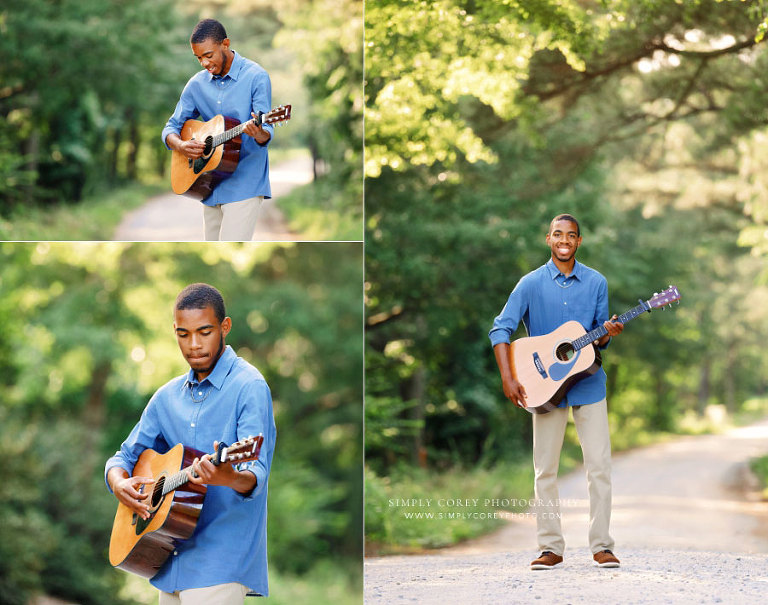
142	547
198	178
547	366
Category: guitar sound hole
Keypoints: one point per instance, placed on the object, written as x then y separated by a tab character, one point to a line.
208	146
565	351
157	492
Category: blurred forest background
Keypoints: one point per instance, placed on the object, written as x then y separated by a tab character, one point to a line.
86	87
88	338
646	119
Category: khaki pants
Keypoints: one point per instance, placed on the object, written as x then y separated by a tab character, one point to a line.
221	594
233	222
548	432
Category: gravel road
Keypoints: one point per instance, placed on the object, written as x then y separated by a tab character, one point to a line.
688	529
177	218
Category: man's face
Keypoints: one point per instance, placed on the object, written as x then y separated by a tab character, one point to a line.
212	55
201	338
563	240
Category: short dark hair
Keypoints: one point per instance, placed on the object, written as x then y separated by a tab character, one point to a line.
566	217
208	29
200	296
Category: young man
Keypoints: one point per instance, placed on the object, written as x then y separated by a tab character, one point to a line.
235	87
221	399
560	291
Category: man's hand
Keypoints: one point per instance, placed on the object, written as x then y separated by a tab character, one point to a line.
223	474
515	392
613	327
257	132
127	491
193	149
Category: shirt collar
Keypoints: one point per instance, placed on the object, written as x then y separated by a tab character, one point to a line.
234	69
219	373
555	272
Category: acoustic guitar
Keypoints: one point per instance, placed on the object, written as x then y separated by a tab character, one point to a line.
142	546
547	366
221	135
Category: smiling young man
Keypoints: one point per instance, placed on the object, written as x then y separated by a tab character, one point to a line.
559	291
221	398
231	85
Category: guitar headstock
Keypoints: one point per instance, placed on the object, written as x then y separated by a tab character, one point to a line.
277	115
667	297
244	450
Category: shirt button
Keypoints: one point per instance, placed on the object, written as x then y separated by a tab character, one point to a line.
175	552
192	425
199	392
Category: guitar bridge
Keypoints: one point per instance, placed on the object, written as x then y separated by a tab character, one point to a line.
539	365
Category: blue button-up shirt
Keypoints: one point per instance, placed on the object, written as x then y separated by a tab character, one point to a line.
244	89
544	300
229	543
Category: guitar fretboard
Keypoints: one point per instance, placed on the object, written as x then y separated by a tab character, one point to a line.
223	137
175	481
600	331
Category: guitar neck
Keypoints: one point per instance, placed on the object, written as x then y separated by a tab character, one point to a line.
175	481
600	331
242	451
230	134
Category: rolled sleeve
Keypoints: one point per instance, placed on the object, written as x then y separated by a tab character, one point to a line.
261	94
143	436
601	309
185	110
256	418
508	320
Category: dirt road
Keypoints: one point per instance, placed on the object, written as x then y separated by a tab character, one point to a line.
176	218
687	530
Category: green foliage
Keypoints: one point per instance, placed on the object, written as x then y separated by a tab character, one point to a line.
89	339
325	210
73	90
759	466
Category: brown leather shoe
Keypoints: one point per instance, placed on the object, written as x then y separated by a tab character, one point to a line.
547	560
605	558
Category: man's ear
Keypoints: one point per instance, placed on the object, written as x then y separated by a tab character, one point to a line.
226	325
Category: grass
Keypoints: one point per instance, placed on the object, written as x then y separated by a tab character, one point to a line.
95	218
413	510
324	211
759	466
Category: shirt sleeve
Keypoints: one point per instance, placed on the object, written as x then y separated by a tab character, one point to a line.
256	418
261	99
185	110
144	435
601	308
508	320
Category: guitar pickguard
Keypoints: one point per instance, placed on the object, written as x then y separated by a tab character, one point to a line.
559	370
